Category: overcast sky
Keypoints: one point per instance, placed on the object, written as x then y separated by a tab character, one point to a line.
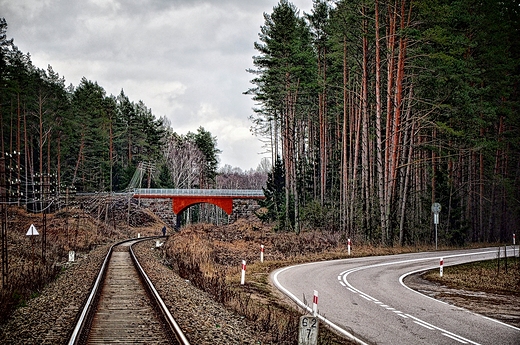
185	59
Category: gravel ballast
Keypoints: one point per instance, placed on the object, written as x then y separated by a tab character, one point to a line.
50	317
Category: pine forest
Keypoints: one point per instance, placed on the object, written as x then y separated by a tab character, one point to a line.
375	110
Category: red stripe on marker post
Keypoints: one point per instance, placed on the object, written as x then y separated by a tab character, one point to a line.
315	303
243	277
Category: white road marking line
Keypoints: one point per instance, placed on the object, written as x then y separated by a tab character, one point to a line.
418	321
443	330
425	326
454	338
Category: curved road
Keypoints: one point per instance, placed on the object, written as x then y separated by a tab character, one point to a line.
365	300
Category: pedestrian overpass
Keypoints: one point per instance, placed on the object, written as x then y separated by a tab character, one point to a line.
184	198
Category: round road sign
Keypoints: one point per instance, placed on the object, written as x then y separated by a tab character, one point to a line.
436	207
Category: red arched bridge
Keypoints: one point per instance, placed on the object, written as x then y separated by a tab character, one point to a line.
184	198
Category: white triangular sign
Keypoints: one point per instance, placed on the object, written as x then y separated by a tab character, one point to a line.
32	231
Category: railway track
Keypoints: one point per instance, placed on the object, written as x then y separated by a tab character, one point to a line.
124	306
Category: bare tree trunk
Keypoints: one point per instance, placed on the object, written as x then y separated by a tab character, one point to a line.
391	34
344	166
379	145
18	143
365	120
408	144
2	131
40	117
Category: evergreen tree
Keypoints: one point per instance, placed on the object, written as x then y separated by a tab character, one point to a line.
274	192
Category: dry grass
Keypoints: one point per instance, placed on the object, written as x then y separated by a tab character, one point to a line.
66	230
493	276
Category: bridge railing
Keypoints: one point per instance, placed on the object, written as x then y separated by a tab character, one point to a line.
199	192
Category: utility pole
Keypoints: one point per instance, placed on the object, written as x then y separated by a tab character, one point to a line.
3	216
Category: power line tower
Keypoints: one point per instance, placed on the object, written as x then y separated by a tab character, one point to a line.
3	216
143	168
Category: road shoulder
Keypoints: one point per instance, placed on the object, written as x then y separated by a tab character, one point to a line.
504	308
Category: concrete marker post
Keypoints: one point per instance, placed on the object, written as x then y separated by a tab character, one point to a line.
315	303
262	253
348	246
243	278
308	330
441	264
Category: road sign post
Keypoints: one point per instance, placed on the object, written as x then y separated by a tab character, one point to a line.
308	334
32	232
436	209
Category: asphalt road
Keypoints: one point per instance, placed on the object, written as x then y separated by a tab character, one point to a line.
365	300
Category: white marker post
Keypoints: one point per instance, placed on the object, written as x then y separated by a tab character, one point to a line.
262	253
315	303
441	264
72	255
348	246
514	248
243	278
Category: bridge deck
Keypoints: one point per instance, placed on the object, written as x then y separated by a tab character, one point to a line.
220	193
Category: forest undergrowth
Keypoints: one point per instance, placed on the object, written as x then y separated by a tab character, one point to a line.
31	266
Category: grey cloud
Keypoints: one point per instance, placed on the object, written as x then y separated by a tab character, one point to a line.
184	59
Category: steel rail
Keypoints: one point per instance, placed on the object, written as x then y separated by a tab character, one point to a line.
174	327
89	307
